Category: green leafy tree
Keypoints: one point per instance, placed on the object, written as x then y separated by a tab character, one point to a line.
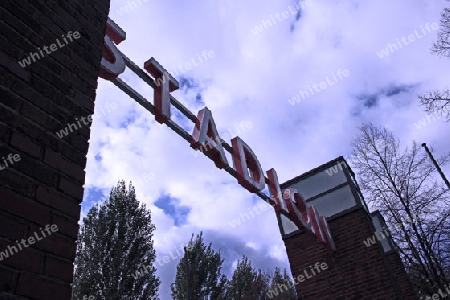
291	293
247	283
199	273
115	240
282	287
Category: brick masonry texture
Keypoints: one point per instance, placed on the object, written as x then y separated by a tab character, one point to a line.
354	270
46	185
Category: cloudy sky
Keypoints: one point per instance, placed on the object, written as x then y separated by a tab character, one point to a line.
253	75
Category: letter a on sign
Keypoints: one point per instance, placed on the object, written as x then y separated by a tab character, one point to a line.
205	136
112	61
249	172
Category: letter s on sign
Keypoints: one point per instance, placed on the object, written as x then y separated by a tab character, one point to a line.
112	61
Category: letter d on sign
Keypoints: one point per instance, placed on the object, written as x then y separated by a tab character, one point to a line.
245	160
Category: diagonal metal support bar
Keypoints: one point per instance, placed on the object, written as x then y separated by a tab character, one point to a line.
171	124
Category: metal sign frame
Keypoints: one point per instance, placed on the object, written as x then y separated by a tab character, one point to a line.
246	167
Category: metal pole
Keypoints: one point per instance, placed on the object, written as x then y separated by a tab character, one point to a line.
436	165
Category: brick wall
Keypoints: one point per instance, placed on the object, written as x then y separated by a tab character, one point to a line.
46	185
403	283
354	270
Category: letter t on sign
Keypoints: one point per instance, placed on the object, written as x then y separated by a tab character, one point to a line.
162	91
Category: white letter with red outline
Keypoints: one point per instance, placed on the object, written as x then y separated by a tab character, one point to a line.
275	191
297	209
162	91
112	64
205	135
326	230
317	229
244	160
307	219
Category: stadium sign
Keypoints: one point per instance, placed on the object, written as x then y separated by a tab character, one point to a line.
246	167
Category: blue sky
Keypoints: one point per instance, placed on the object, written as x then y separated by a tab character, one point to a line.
250	79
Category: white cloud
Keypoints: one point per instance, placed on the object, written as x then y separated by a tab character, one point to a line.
251	79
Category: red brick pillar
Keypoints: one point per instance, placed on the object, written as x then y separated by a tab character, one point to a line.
357	268
42	175
354	271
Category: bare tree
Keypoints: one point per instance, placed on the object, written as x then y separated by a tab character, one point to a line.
442	46
403	185
438	102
